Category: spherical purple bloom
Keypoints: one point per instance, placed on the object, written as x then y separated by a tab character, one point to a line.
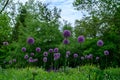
66	41
45	59
45	54
82	58
23	49
14	60
56	50
97	58
30	59
56	56
75	55
67	33
100	43
5	43
26	56
38	49
32	54
68	53
81	39
106	52
30	40
90	56
50	50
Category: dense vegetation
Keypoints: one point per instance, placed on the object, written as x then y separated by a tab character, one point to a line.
31	35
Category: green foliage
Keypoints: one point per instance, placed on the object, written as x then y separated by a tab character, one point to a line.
72	74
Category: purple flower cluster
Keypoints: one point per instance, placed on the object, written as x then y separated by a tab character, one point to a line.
26	56
30	40
106	52
81	39
100	43
12	61
50	51
5	43
75	55
45	59
45	54
66	33
67	54
23	49
90	56
66	41
38	49
56	56
56	50
97	58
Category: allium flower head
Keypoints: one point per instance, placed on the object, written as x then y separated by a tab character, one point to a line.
45	59
50	50
23	49
100	43
97	58
66	41
30	40
5	43
38	49
106	52
45	54
75	55
68	53
90	56
26	56
56	50
35	60
30	59
32	54
67	33
56	56
81	39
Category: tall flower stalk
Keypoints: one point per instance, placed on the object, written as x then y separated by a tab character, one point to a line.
66	34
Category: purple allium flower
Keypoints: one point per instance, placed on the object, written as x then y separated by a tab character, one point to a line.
45	59
30	59
26	56
67	33
32	54
10	62
56	56
81	39
56	50
100	43
90	56
38	49
5	43
66	41
106	52
14	60
23	49
50	50
75	55
45	54
68	52
82	58
97	58
30	40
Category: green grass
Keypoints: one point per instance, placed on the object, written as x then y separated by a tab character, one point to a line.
83	73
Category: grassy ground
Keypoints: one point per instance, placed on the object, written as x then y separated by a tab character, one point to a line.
82	73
